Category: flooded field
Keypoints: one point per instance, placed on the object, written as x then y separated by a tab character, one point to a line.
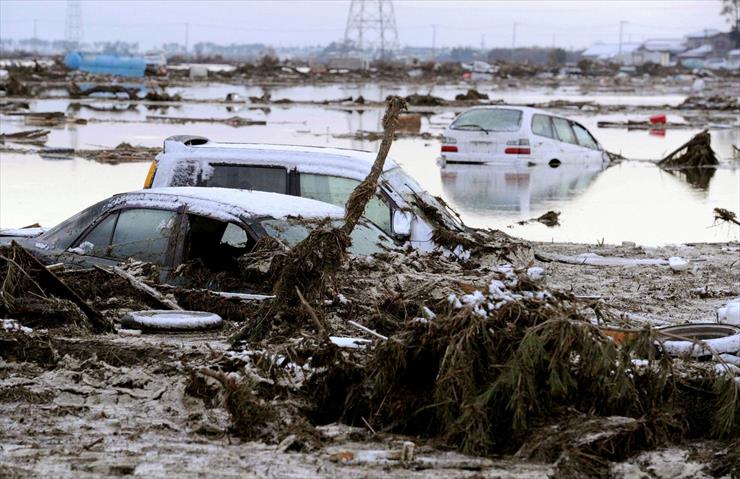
630	201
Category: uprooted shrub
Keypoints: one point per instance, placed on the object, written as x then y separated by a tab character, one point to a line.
487	372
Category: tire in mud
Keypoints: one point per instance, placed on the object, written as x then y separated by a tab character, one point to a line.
172	321
722	338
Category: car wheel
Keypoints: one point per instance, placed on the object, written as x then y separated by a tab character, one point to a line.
172	321
722	338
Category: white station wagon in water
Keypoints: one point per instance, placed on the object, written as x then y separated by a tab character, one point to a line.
513	135
324	174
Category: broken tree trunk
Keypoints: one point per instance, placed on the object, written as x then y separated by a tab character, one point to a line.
307	266
697	152
136	283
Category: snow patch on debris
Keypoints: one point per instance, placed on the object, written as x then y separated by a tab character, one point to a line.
730	313
84	248
13	325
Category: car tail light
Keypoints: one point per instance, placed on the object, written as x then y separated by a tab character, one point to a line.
449	149
150	175
518	147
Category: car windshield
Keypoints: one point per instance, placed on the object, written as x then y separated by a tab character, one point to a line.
366	237
409	190
62	235
493	119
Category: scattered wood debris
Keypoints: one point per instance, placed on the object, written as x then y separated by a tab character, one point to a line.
235	121
27	136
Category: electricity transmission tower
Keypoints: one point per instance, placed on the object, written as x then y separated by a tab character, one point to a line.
371	27
73	24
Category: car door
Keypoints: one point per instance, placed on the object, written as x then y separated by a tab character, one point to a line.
591	150
569	149
545	145
143	234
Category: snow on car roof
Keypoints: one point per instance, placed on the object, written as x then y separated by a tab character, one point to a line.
229	204
355	164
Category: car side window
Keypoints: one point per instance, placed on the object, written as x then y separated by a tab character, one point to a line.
336	190
563	130
542	126
100	237
142	234
257	178
584	137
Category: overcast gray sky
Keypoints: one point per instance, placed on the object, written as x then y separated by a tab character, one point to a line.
567	24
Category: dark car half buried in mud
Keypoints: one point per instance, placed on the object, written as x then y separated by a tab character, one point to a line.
173	226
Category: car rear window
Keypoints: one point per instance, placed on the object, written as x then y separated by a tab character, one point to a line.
498	119
243	177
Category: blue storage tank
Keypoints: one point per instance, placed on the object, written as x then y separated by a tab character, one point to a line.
106	64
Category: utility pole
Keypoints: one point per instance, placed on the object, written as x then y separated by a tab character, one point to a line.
513	41
187	35
621	28
434	41
35	37
482	42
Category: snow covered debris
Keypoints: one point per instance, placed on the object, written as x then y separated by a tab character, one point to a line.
730	313
727	344
13	325
678	264
347	342
84	248
536	273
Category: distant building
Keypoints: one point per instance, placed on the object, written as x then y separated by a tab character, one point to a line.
721	42
662	51
697	57
611	52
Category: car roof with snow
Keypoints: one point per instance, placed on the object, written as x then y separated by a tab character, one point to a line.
306	159
230	204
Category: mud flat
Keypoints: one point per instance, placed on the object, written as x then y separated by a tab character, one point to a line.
77	404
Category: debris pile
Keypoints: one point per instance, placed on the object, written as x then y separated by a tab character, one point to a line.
695	153
471	95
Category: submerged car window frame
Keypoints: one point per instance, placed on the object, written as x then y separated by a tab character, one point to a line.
380	194
568	123
596	143
117	210
238	165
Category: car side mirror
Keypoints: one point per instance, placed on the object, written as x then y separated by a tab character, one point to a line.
402	224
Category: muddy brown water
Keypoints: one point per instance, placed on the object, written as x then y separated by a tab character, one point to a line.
632	201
